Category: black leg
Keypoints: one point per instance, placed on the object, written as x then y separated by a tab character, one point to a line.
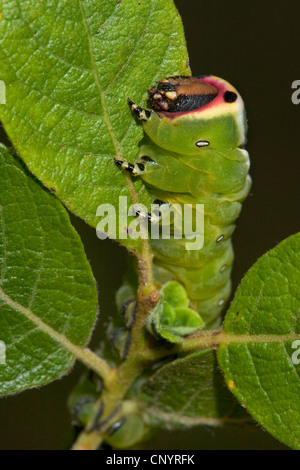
142	114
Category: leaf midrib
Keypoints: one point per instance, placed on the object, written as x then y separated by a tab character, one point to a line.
98	85
194	421
106	117
84	354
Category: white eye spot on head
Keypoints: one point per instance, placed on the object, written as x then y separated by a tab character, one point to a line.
221	302
220	238
202	143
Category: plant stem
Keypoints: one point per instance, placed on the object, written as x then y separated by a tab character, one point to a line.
216	338
112	398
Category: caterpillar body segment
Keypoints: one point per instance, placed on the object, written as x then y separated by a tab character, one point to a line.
193	153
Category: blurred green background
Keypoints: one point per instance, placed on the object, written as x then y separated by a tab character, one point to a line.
254	45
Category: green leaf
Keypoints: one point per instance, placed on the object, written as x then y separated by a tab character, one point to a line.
171	319
189	392
69	68
48	298
263	322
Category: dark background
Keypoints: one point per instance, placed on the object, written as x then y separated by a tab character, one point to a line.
254	45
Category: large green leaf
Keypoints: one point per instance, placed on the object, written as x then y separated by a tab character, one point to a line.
189	392
48	298
69	68
261	364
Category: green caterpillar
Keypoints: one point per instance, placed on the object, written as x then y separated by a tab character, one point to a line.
192	153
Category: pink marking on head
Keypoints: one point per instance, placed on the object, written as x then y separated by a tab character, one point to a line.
218	83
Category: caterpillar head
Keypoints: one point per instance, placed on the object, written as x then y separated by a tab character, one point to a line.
192	114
